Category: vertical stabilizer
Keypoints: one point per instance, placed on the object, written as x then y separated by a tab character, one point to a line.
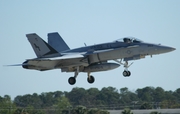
40	47
56	41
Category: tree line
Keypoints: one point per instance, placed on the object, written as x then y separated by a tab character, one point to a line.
93	99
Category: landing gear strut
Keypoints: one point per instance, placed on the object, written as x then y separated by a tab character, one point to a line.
72	80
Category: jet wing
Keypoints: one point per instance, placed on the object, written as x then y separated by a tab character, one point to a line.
69	60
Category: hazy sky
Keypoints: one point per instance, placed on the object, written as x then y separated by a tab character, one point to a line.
89	22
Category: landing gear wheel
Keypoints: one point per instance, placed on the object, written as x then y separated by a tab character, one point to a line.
129	73
91	79
126	73
72	80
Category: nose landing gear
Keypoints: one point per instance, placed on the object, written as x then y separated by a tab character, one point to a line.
126	72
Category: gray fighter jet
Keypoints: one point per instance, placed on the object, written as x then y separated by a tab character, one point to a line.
57	55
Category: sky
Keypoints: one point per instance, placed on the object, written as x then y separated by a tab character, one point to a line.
89	22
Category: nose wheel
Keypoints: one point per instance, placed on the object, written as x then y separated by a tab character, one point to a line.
126	73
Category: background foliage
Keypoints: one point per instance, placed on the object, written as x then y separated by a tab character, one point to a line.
80	100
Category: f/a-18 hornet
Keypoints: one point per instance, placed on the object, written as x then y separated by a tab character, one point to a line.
57	55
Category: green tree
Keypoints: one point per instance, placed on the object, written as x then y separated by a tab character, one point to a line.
28	110
47	99
159	94
103	112
146	94
109	96
29	100
126	97
177	94
80	110
6	105
19	101
93	111
126	111
20	111
146	106
97	111
63	104
169	96
77	96
92	99
36	101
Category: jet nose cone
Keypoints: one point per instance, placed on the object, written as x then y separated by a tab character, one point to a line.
166	49
172	49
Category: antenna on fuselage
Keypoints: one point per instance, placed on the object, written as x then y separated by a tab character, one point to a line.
85	44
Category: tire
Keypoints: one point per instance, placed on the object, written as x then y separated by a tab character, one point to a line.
72	80
91	80
125	73
129	73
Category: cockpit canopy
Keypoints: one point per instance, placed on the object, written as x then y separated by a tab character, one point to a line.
129	40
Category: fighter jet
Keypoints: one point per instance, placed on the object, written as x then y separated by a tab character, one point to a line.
56	54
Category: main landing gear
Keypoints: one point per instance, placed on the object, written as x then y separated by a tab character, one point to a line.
72	80
126	72
90	78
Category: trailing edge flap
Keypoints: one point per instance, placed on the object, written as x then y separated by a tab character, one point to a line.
40	47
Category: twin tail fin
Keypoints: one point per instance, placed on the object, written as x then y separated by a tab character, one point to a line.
56	41
40	47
